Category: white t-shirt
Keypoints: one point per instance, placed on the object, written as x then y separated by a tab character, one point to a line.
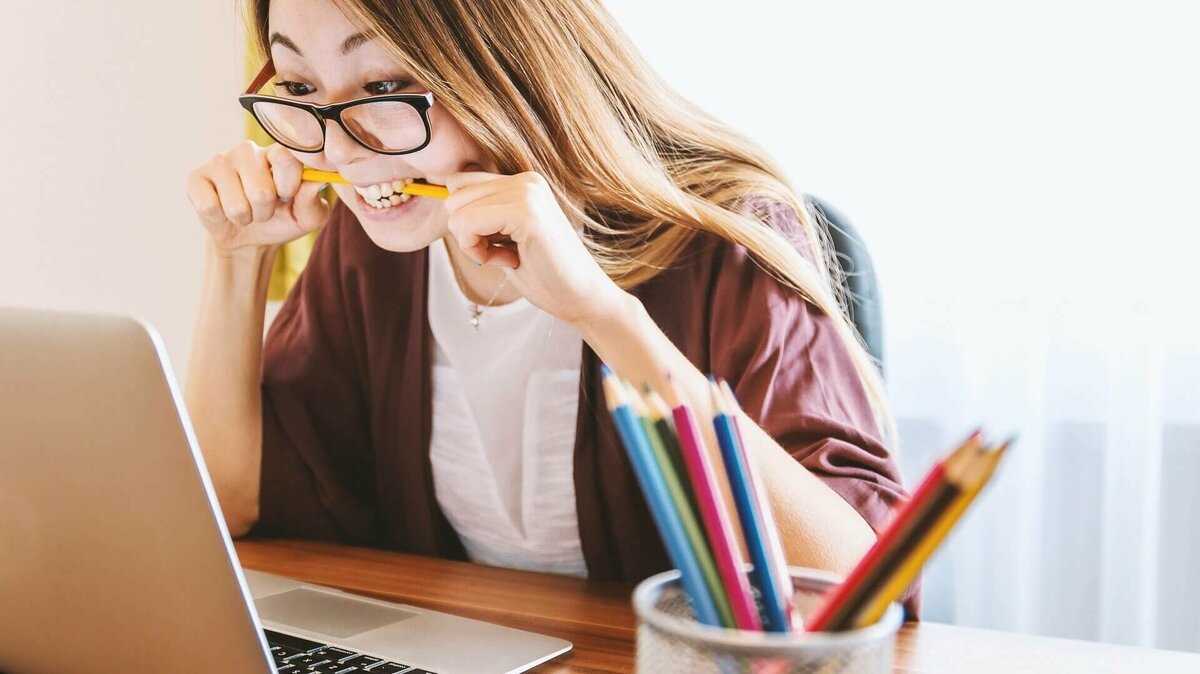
505	400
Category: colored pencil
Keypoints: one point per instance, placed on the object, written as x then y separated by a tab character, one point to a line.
776	614
780	572
659	500
415	189
722	537
660	414
972	480
685	510
840	602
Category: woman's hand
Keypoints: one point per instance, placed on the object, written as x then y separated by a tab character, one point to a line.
252	197
516	222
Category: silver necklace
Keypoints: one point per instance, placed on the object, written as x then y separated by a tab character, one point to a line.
475	310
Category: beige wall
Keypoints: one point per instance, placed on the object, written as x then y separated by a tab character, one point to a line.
116	102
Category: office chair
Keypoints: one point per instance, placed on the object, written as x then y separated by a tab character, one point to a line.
862	289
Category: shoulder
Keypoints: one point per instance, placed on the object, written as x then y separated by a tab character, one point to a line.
718	295
730	272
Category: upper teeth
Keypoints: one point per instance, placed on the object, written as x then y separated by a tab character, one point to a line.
385	192
385	195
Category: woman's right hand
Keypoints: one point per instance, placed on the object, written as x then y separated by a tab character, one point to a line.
251	197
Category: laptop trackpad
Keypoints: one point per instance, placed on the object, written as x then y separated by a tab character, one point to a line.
327	613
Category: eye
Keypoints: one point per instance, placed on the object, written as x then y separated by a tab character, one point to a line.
386	87
295	88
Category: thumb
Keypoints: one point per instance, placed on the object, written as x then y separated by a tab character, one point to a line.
308	207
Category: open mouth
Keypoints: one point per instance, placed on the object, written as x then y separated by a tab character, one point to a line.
388	194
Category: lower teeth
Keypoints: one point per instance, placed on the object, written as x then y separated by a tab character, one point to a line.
382	204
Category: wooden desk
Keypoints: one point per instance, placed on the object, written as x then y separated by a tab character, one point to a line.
598	618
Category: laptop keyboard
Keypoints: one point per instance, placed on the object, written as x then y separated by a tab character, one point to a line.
294	655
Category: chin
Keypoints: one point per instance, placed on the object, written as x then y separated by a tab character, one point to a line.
408	227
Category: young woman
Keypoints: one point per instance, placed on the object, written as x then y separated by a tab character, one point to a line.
431	384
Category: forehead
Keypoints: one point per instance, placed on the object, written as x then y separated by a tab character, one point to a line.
317	29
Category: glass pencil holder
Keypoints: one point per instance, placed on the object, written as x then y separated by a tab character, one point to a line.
670	640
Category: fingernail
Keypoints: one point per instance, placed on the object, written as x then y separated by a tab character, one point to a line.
285	199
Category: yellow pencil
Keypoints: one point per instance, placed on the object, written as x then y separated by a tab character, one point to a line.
976	476
415	189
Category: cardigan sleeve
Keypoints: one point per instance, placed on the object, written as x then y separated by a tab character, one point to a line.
793	374
316	443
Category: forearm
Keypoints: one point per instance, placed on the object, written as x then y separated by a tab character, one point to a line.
223	390
818	527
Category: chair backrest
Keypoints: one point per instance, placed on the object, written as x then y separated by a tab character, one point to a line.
862	288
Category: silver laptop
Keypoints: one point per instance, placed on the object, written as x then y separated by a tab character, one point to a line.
114	556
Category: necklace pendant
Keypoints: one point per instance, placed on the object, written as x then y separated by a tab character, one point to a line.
475	314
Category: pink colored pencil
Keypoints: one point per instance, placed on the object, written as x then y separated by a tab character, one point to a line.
713	514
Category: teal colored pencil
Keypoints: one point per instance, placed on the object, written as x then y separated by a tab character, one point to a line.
687	512
658	499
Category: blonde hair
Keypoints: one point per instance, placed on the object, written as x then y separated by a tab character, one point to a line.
555	86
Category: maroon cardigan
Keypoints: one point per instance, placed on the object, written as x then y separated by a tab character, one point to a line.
347	414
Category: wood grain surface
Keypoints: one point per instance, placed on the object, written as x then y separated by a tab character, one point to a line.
598	618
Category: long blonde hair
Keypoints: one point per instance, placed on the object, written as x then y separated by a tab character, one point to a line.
555	86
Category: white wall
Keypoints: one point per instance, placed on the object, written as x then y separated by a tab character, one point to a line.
107	106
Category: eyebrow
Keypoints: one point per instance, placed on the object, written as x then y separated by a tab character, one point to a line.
350	44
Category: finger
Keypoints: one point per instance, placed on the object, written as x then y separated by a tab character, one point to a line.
308	208
234	204
285	171
474	228
259	187
203	195
502	255
466	188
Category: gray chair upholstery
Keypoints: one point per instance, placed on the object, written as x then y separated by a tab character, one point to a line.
862	288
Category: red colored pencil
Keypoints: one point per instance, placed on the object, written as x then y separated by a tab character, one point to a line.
835	605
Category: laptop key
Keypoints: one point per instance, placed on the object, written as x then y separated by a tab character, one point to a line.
334	653
280	639
281	653
388	668
331	668
363	661
306	660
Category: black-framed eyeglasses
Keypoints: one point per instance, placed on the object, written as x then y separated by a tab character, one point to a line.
387	124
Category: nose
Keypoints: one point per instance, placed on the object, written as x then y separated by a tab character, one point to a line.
340	148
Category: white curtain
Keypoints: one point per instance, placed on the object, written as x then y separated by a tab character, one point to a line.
1089	530
1025	176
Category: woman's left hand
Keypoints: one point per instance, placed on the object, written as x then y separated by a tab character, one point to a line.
547	260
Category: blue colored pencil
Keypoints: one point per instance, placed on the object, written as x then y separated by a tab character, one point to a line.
776	609
775	554
654	487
